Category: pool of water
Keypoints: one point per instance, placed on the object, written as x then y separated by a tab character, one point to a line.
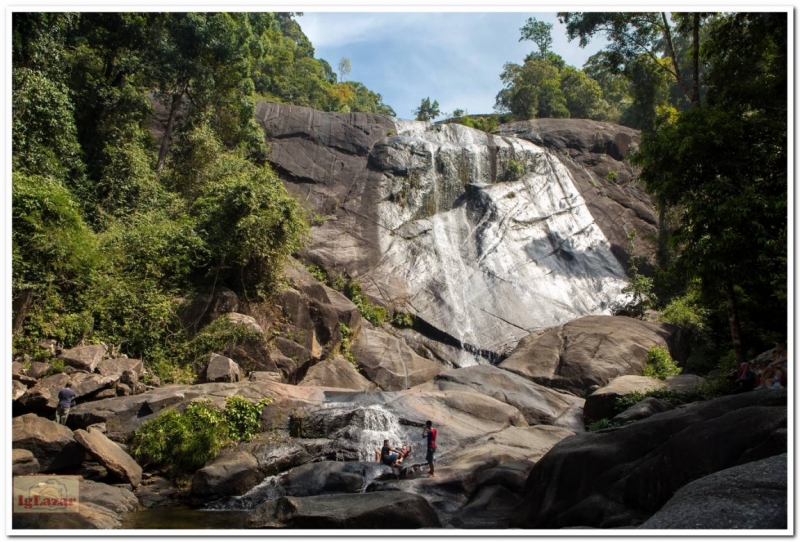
174	517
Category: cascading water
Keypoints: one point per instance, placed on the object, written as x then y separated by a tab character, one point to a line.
488	236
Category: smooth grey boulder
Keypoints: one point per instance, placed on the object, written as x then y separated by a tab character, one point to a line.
749	496
110	455
684	383
114	367
248	322
389	363
621	477
330	477
115	498
539	405
590	351
337	372
512	475
265	376
602	403
85	358
380	510
23	462
274	458
230	474
51	444
641	410
222	369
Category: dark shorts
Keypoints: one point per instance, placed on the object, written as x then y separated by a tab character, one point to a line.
429	456
389	459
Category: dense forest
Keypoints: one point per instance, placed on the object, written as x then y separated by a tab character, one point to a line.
111	231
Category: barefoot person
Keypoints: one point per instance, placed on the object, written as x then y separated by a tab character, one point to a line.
430	432
389	456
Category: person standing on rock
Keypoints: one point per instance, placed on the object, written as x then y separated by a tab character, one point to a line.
430	433
65	399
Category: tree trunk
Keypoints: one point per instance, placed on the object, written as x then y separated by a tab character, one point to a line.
663	253
173	112
733	320
20	306
673	57
696	60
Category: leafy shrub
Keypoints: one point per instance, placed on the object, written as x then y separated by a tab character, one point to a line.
688	313
514	170
660	364
402	319
183	442
344	348
318	273
242	417
639	286
372	313
598	425
611	175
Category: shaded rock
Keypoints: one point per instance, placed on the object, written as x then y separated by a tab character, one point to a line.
51	444
89	516
38	370
749	496
248	322
589	351
382	510
222	369
684	383
18	389
330	477
23	462
229	474
621	477
44	395
511	475
114	498
265	376
389	363
276	457
538	404
602	403
114	367
85	358
491	507
641	410
110	455
337	372
200	310
156	491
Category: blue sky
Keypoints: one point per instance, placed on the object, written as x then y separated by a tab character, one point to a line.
455	58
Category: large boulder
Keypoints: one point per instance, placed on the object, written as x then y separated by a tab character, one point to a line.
247	322
51	443
18	389
43	397
621	477
222	369
602	403
749	496
641	410
382	510
110	455
229	474
23	462
539	405
114	367
330	477
85	358
337	372
38	370
389	363
590	351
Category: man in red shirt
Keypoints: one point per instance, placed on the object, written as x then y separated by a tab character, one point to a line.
430	432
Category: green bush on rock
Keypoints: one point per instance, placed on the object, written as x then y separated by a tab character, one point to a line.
182	443
660	364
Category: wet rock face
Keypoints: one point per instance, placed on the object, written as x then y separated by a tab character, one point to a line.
595	153
484	237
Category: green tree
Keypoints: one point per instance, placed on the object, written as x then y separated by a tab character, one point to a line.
540	33
531	91
583	95
427	111
724	166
